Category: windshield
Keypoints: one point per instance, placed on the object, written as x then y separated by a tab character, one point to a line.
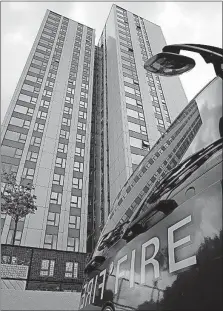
209	103
196	127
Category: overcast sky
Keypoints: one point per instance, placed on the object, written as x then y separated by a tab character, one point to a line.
181	22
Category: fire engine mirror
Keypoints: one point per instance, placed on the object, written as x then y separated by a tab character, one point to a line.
169	64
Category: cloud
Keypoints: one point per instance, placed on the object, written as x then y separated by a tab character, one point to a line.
87	14
79	12
19	6
171	16
180	21
16	38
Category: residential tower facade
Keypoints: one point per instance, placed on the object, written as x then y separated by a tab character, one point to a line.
81	120
134	107
46	135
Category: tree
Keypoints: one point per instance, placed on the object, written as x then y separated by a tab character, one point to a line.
17	199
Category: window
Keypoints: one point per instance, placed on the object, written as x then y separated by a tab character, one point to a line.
50	241
83	104
58	179
84	94
73	244
28	173
78	166
88	43
135	142
67	110
32	156
15	136
85	78
137	92
51	75
35	141
77	183
127	79
17	239
125	43
18	153
71	81
42	115
71	90
86	71
136	158
6	259
71	270
12	135
132	113
36	89
79	151
81	126
81	138
74	222
49	83
62	148
60	162
134	127
34	70
84	86
64	134
131	101
54	67
69	100
46	36
47	267
11	152
44	49
45	103
82	115
47	93
75	201
25	98
27	87
86	64
23	109
74	68
53	219
157	109
164	106
168	121
122	47
154	98
159	122
125	62
66	121
39	127
26	124
56	197
20	122
165	113
143	130
129	71
141	116
9	167
9	260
